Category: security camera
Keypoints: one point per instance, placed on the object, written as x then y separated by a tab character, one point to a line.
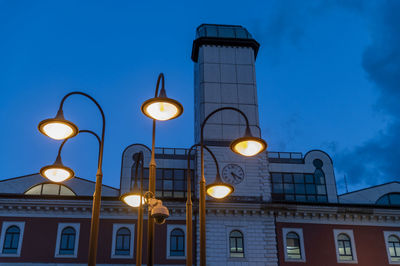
158	211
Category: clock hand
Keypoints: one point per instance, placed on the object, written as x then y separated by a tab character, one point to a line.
235	176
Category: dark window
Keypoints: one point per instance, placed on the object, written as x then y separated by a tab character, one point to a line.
11	240
391	199
170	183
304	187
394	248
293	246
177	243
344	245
67	241
236	247
123	241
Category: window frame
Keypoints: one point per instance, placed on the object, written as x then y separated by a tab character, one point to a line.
350	234
61	227
386	235
5	226
116	227
299	232
170	228
229	244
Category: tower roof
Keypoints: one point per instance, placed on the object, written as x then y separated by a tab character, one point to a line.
224	35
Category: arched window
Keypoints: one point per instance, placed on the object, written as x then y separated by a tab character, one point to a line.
236	247
177	243
50	189
67	241
390	199
11	240
123	241
394	248
344	246
293	249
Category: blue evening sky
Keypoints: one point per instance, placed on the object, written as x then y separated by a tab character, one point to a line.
328	77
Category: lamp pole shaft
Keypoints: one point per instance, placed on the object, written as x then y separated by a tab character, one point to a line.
202	208
189	231
139	241
139	238
152	189
94	223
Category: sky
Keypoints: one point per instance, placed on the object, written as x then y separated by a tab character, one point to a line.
328	77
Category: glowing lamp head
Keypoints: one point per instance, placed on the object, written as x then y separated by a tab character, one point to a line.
219	190
57	173
162	108
248	146
58	128
132	199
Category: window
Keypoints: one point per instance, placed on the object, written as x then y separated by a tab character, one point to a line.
170	183
236	246
11	239
392	240
177	243
67	244
122	241
67	240
345	246
50	189
390	199
394	248
293	244
303	187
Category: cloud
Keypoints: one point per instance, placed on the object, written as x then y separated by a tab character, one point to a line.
377	160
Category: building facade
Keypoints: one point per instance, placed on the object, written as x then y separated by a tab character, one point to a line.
285	209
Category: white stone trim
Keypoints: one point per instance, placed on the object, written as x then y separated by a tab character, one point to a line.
5	226
299	232
61	227
386	235
350	234
171	227
116	227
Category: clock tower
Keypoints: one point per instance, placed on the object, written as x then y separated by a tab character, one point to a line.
224	76
224	69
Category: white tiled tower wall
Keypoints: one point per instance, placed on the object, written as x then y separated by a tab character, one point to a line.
260	245
225	76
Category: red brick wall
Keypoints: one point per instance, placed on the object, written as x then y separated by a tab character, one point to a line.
320	246
40	234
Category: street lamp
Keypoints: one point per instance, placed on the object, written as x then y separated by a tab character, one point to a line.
135	199
246	146
218	189
61	129
159	108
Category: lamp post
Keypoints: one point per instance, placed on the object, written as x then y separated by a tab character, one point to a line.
217	189
248	145
60	129
159	108
135	199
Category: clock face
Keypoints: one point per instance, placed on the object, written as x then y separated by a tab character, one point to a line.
233	174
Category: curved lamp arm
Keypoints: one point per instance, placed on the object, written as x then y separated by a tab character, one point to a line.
80	131
60	112
221	109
